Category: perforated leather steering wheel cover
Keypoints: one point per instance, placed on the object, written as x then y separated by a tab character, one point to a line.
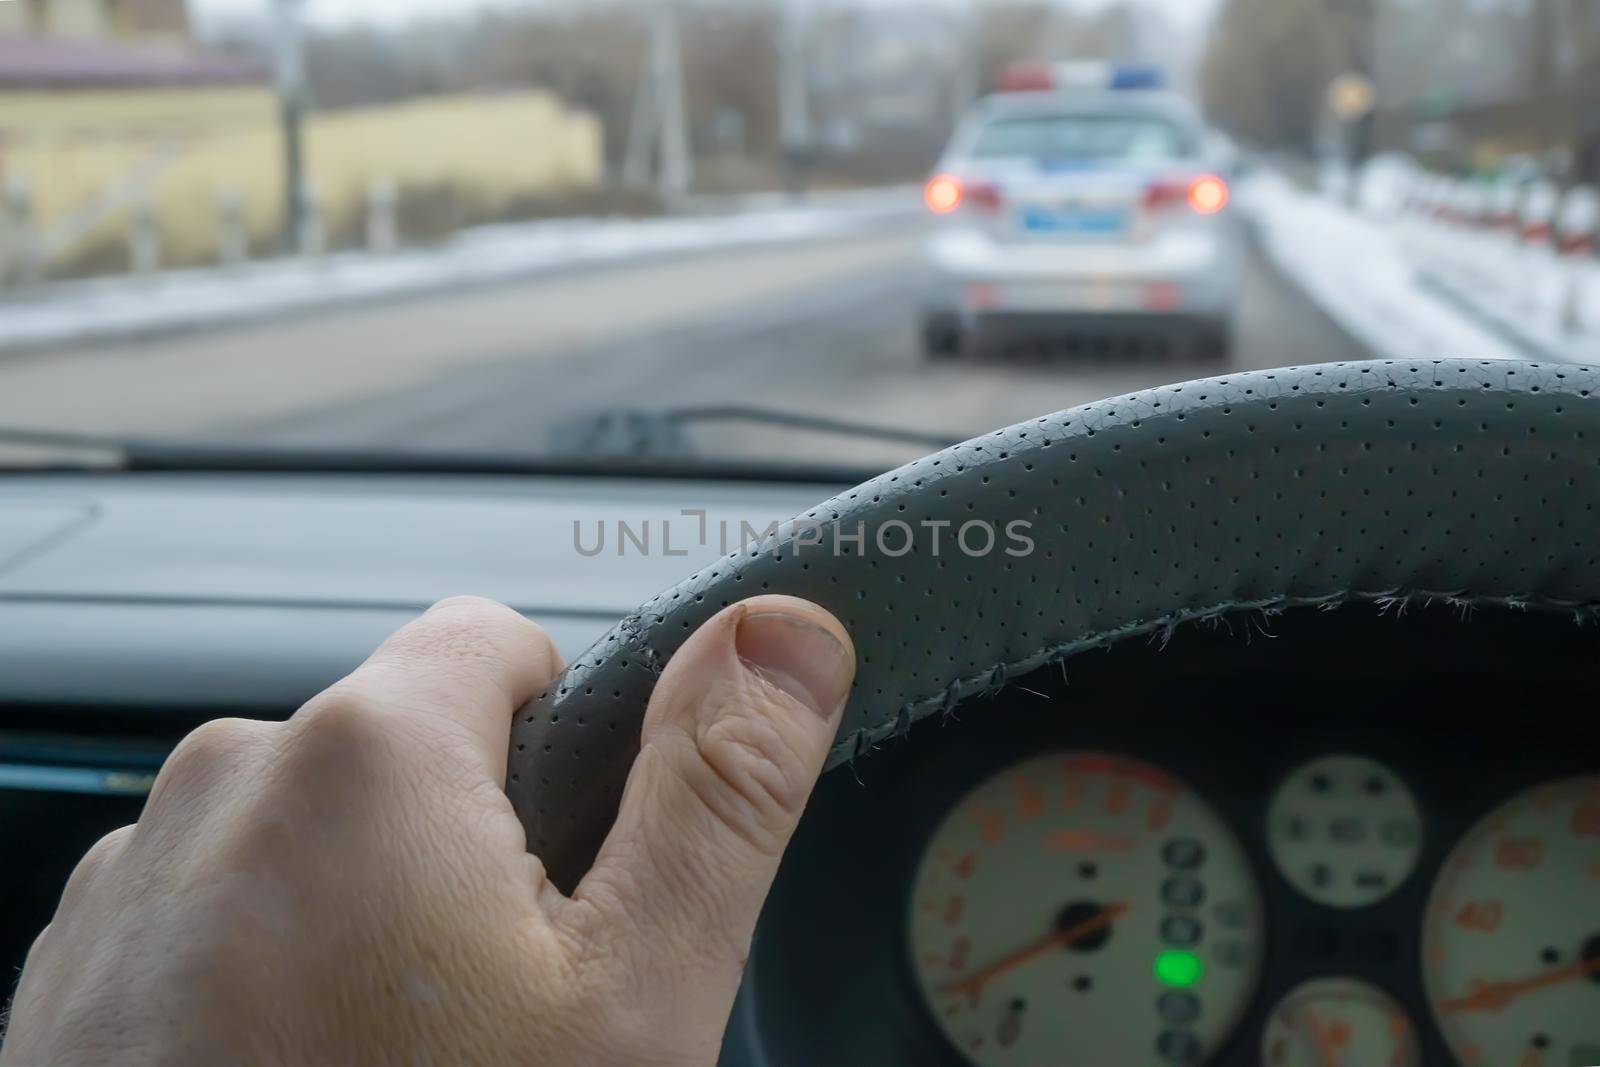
1474	481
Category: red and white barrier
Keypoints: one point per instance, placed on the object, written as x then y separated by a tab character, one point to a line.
1505	201
1578	222
1519	251
1536	220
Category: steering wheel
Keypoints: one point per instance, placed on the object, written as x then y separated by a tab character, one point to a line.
1474	482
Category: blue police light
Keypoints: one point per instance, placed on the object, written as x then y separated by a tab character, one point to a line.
1137	76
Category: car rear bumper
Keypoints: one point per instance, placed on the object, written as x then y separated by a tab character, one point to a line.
1175	334
1188	275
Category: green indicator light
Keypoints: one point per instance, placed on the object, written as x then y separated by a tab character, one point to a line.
1179	969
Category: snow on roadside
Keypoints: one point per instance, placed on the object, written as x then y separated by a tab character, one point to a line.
1351	266
1552	305
106	308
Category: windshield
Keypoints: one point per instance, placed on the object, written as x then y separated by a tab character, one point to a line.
1080	139
716	232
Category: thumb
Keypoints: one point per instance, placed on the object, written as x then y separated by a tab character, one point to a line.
734	738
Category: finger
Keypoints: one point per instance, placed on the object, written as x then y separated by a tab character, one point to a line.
735	735
459	671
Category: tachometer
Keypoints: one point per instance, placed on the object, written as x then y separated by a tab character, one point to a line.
1511	945
1083	910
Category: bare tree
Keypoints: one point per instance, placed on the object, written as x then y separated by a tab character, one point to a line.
1266	69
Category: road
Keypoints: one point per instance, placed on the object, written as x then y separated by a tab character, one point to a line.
824	328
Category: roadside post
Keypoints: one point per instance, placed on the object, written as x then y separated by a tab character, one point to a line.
144	239
383	231
1352	99
312	239
22	261
233	235
289	56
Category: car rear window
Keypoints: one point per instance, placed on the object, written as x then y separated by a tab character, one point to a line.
1081	139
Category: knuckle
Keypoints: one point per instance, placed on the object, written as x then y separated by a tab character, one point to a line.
342	725
40	948
760	767
463	634
90	868
467	623
217	741
209	752
468	604
478	615
101	854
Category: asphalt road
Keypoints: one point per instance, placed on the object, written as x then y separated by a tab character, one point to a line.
823	328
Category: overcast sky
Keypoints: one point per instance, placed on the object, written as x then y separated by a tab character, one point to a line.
1185	12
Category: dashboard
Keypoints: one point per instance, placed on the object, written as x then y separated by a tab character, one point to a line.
1329	838
1191	858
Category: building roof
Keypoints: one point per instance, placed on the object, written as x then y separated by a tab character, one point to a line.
57	63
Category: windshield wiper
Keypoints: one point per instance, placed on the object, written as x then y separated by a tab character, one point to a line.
52	450
665	434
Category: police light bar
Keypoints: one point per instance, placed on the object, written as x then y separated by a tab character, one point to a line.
1067	75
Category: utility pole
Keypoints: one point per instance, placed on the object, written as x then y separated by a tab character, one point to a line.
641	129
970	40
1362	19
289	55
658	136
794	111
676	165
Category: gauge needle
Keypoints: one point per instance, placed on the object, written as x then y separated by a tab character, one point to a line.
1496	995
1326	1057
973	984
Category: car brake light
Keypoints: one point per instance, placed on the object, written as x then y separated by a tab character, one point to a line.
1163	193
984	195
1208	194
942	194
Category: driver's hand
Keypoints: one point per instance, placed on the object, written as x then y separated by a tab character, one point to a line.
352	887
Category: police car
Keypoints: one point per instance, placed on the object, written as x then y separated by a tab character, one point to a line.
1084	209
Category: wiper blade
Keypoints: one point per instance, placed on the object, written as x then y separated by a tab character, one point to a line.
45	448
664	434
55	448
817	423
622	442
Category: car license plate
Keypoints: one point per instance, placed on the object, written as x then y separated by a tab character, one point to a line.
1093	295
1078	221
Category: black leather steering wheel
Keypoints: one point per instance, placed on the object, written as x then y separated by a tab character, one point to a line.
1474	482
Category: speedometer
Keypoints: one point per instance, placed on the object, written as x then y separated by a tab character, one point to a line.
1511	946
1083	910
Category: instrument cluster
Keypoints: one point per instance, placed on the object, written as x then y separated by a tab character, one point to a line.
1227	887
1073	872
